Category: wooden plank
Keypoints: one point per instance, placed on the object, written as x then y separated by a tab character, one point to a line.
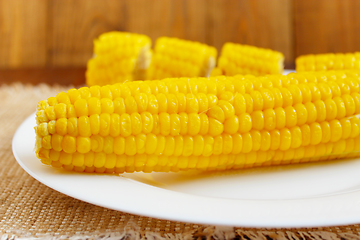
64	31
260	23
23	40
75	24
183	19
324	26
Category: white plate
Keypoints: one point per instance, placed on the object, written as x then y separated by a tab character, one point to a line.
304	195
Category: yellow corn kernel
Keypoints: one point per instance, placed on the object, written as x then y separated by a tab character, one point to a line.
65	158
81	108
99	159
188	146
125	125
269	119
130	146
160	146
119	145
97	143
275	139
199	144
245	123
84	127
257	119
108	145
119	106
56	141
336	130
215	127
70	109
256	140
247	143
291	117
265	141
62	97
217	113
192	104
169	146
204	124
50	113
231	125
194	124
326	132
164	120
78	159
83	144
208	146
60	110
280	118
156	124
153	106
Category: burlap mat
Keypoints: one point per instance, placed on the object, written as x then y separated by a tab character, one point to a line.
29	209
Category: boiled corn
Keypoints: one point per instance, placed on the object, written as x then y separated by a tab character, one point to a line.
118	57
328	61
211	123
244	59
175	57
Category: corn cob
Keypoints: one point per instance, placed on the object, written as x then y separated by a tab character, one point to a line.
216	72
118	57
244	59
328	61
175	57
211	123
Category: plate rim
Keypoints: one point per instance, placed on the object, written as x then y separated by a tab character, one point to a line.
267	220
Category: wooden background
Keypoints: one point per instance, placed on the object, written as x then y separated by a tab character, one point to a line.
59	33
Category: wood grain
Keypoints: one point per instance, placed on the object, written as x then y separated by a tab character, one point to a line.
183	19
23	33
74	25
53	33
327	26
261	23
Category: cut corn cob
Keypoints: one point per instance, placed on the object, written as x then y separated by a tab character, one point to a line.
175	57
211	123
216	72
118	57
328	61
244	59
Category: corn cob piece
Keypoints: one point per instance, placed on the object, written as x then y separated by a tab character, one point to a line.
211	123
118	57
175	57
216	72
244	59
328	61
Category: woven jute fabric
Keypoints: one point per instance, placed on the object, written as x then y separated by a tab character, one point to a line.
31	210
